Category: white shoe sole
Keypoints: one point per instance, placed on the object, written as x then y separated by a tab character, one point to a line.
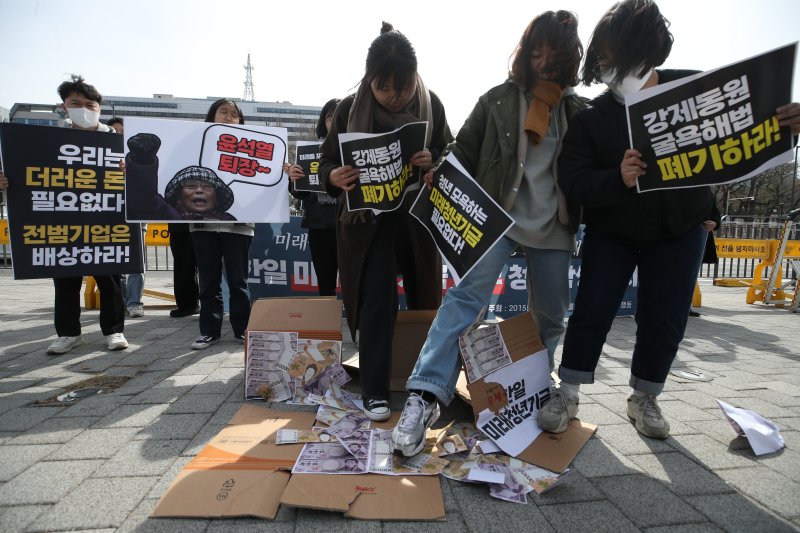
377	417
60	351
406	450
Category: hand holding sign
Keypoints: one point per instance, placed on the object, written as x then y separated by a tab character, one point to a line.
789	115
344	177
422	159
632	167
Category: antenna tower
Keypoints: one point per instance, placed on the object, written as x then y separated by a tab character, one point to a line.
248	82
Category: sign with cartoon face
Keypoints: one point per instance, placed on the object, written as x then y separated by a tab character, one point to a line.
180	171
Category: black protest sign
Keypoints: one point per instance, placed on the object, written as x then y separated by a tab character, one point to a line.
66	203
718	127
307	156
383	159
463	220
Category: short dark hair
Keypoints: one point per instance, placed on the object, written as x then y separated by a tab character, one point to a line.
558	30
212	111
327	109
76	84
391	56
114	120
634	35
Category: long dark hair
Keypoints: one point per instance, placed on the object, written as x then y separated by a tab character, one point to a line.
391	56
559	31
634	35
212	111
327	109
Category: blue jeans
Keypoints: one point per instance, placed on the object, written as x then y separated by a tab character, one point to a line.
667	276
132	286
438	365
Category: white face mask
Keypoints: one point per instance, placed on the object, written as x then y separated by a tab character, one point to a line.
629	84
83	118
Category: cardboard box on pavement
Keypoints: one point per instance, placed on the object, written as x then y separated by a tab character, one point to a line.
315	321
551	451
369	496
241	472
410	332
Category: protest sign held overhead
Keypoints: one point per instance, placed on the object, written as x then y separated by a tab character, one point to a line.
66	203
307	156
463	220
714	127
383	160
179	171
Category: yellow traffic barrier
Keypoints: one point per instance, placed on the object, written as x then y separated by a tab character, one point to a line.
156	235
91	296
4	239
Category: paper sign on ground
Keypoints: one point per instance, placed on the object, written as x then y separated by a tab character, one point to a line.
762	434
523	387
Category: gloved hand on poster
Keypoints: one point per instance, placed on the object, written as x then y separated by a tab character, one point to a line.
143	147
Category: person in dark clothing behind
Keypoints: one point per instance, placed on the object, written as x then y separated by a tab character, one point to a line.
184	272
390	95
660	232
319	215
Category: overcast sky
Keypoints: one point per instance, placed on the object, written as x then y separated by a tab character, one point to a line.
308	51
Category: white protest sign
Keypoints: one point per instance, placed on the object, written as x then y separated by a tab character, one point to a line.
243	163
527	385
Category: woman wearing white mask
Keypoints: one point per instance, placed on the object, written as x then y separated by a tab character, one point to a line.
661	232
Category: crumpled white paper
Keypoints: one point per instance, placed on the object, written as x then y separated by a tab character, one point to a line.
762	434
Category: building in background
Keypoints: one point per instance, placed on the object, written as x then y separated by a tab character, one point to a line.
300	121
4	114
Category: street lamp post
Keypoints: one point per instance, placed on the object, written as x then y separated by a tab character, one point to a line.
728	202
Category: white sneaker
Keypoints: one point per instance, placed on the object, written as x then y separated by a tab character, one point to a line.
408	437
116	341
135	311
647	416
64	344
558	411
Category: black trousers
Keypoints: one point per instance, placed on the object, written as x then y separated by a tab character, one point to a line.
68	305
378	309
322	243
184	273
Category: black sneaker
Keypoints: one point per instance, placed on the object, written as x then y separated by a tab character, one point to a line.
180	313
204	341
377	410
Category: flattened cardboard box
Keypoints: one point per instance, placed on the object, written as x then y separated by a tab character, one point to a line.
551	451
241	472
410	332
369	496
